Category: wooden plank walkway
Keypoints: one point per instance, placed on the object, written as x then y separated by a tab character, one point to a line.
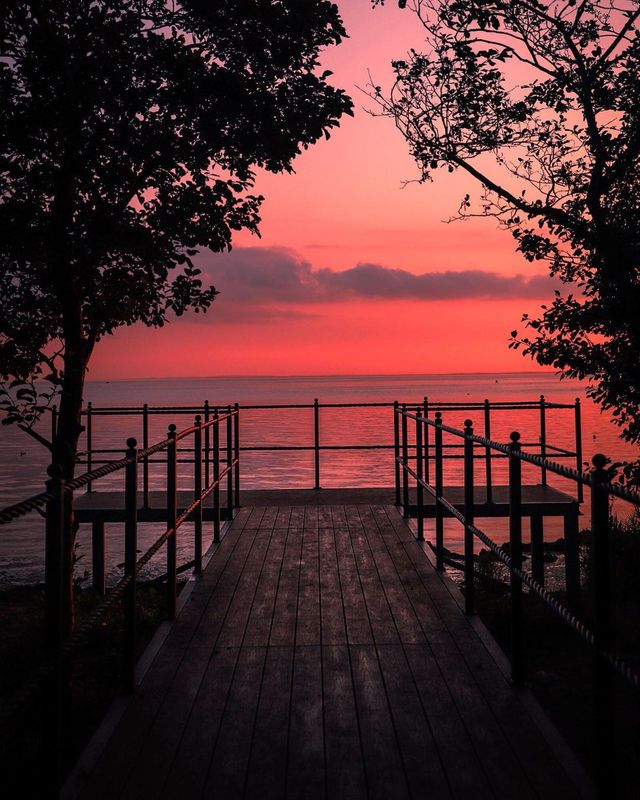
321	656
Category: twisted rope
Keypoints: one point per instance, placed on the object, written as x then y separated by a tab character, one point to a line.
9	513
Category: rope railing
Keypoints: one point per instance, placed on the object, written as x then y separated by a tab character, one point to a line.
59	647
599	637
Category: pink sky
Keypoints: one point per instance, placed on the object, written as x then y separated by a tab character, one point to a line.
348	205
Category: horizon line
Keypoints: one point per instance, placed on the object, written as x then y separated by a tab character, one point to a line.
323	375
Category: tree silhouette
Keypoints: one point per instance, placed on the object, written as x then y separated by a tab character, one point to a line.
130	132
539	103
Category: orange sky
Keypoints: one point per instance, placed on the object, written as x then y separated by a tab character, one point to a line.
347	205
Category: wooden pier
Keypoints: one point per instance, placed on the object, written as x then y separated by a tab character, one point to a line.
321	655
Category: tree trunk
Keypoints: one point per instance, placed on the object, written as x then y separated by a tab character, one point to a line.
65	451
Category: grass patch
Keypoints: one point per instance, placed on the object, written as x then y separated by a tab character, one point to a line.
95	676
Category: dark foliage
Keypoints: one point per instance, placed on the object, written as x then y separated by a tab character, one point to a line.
131	132
539	103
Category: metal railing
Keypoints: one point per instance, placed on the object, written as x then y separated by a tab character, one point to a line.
51	674
600	638
488	408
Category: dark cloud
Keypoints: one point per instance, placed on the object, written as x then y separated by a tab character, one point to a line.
268	278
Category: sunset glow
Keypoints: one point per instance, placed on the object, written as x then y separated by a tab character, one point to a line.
352	201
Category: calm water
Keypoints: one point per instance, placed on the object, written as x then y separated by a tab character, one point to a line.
23	461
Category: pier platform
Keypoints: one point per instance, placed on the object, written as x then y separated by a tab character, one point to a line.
320	655
537	500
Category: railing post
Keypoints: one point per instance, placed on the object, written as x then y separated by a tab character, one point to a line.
197	495
98	578
236	453
396	449
439	491
89	431
206	444
216	477
405	463
229	463
419	487
316	442
425	412
515	541
52	739
543	438
172	515
487	450
469	599
578	427
145	462
130	558
602	627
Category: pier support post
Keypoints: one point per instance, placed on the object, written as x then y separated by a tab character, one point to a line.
316	443
419	486
578	431
405	463
130	565
145	463
543	438
396	450
515	541
236	453
602	628
229	463
98	577
572	559
537	548
172	514
469	599
197	494
216	477
439	490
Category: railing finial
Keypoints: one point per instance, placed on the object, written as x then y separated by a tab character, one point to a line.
599	461
132	443
54	471
514	436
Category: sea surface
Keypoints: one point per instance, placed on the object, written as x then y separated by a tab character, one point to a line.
23	461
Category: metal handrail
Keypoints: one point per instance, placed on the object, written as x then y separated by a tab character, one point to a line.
541	406
56	498
599	639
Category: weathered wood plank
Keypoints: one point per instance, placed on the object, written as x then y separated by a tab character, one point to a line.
462	766
344	758
228	768
355	610
283	628
258	628
308	612
267	768
383	765
305	767
375	601
331	608
422	764
188	771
